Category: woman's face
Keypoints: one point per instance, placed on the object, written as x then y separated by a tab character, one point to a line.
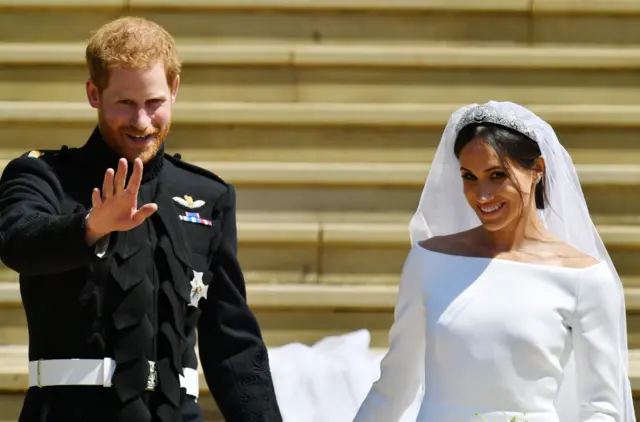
497	194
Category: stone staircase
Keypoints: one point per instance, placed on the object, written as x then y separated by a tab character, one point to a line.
325	114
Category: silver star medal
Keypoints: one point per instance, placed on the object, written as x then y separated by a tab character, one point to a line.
198	289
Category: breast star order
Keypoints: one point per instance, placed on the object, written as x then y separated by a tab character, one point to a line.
198	289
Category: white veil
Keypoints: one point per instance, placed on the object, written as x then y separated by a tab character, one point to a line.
444	210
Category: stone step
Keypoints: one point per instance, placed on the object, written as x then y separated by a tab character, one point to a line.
293	278
586	6
362	132
351	74
322	113
292	313
318	297
309	297
288	5
235	158
604	165
424	56
13	367
379	21
304	143
11	401
302	313
387	187
302	247
547	6
344	244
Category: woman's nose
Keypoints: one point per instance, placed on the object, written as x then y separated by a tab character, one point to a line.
484	193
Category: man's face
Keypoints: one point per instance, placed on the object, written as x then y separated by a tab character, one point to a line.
134	111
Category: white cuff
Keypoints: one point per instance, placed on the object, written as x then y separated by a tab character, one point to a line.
102	246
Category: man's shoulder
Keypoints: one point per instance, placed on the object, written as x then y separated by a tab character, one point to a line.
193	176
38	160
41	155
52	156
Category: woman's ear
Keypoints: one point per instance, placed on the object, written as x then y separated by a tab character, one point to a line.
539	168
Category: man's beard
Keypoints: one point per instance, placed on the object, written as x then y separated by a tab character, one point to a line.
114	138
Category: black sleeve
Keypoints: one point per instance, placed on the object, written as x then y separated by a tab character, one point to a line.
232	352
35	238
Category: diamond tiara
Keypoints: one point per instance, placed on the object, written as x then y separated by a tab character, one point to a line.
486	113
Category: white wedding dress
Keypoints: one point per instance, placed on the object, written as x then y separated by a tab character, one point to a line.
476	335
490	336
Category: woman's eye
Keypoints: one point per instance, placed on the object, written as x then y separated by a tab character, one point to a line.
498	175
468	176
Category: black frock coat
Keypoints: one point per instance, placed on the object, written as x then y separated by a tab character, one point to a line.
133	303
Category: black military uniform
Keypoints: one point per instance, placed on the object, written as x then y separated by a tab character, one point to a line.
138	303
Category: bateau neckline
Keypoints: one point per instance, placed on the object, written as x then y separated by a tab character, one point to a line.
512	262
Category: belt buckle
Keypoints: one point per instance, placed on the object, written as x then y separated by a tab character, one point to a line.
152	381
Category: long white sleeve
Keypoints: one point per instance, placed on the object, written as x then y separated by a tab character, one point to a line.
601	369
402	368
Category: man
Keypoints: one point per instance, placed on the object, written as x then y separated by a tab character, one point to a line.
114	292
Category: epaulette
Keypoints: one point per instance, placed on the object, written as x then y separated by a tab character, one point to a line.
40	153
35	154
176	159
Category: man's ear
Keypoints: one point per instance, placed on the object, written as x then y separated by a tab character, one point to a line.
174	89
93	94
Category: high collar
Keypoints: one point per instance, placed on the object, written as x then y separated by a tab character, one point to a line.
101	157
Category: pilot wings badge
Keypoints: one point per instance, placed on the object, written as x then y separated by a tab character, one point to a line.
188	202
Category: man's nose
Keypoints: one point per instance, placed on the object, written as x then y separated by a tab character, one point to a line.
141	119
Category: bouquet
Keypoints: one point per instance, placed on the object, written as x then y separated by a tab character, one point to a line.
514	419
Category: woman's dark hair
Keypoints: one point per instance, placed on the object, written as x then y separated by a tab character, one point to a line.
508	143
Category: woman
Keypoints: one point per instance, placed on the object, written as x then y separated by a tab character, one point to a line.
509	304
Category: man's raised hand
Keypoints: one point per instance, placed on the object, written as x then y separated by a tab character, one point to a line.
116	208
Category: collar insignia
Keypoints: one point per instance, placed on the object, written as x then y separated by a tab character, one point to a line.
188	202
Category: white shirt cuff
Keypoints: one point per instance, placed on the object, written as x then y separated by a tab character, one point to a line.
102	246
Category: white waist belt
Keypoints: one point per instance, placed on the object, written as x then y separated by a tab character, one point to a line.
49	373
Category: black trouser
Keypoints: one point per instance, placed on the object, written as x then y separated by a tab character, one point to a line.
86	404
191	411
